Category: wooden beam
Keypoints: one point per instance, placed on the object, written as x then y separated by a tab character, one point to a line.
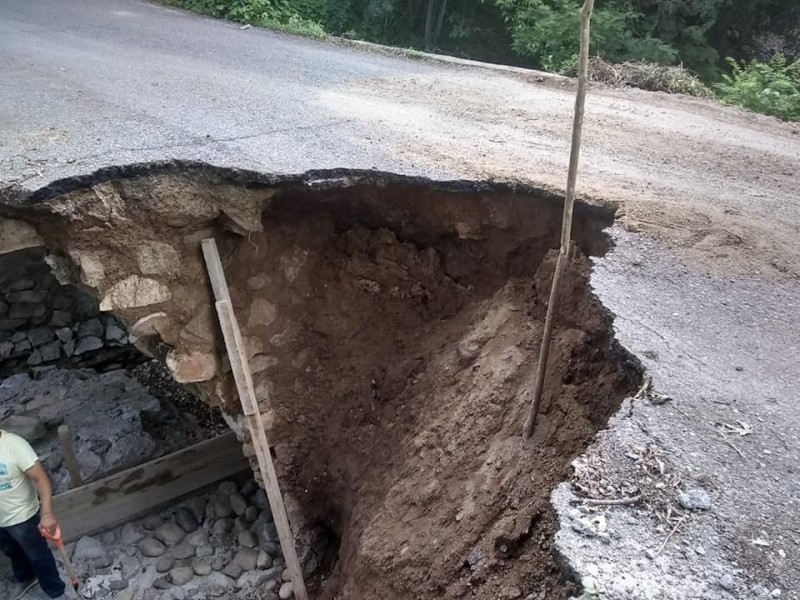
244	385
68	451
124	496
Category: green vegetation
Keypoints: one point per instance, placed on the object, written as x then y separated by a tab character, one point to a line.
772	88
633	40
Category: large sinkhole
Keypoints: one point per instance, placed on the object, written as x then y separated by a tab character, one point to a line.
394	325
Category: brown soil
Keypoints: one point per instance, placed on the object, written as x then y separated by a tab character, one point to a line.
395	326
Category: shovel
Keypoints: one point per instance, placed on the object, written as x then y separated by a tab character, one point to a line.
58	542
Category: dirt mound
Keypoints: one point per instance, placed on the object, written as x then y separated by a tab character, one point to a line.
394	325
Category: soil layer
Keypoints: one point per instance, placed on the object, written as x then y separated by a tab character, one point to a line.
393	326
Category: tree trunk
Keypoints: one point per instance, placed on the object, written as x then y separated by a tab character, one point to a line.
438	30
429	20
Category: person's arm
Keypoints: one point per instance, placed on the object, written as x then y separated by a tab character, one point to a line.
42	482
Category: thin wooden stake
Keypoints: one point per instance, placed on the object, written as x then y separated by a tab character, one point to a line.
68	452
244	385
566	224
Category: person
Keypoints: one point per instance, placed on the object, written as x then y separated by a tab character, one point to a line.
26	503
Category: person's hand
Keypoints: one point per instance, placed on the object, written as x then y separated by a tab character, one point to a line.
49	523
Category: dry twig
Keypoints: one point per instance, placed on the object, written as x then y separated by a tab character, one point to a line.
612	501
671	533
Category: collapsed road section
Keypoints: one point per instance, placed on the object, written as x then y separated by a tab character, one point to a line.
394	324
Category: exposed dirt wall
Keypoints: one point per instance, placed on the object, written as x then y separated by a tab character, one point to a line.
393	324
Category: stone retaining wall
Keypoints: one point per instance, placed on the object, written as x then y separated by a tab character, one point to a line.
43	322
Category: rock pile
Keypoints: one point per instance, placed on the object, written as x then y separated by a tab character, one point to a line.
42	322
219	545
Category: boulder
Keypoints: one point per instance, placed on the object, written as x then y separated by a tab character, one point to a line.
135	292
28	428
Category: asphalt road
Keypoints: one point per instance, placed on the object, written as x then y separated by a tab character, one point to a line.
87	84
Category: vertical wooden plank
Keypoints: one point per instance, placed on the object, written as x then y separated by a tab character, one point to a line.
68	452
244	385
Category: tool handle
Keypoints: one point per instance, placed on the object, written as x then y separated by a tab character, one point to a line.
56	537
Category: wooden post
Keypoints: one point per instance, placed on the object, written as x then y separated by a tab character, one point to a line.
244	385
68	451
566	221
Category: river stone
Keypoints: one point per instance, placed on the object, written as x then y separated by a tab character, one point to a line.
246	559
165	563
218	563
248	539
260	499
226	488
152	522
162	584
222	507
170	534
204	551
251	514
257	579
88	548
183	551
201	567
109	537
240	525
186	520
238	504
264	560
151	547
181	575
117	585
130	535
232	570
222	526
199	538
286	591
248	488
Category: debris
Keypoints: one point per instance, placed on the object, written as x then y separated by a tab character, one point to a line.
696	499
671	533
726	582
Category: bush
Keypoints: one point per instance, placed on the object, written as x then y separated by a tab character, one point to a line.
282	15
646	76
772	88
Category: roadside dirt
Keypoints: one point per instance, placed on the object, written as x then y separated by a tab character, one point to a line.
393	327
717	184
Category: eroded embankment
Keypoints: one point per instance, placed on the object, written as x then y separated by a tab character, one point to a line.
394	325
